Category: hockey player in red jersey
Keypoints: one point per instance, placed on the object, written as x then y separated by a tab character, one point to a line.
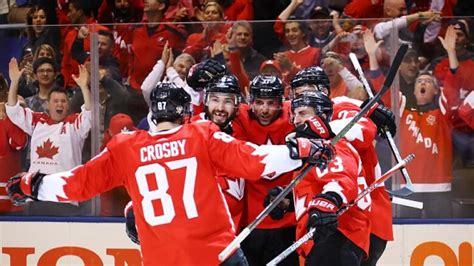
181	215
266	121
221	102
338	240
361	137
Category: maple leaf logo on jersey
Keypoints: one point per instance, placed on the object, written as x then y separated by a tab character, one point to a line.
47	150
431	120
300	207
236	187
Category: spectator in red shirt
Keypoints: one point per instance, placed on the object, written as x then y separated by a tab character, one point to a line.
457	85
300	55
199	44
149	40
460	53
241	42
78	14
121	12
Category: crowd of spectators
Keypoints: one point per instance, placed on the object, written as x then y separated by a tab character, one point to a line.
142	42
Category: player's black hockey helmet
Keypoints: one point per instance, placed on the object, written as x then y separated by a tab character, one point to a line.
311	76
266	86
317	100
169	102
224	84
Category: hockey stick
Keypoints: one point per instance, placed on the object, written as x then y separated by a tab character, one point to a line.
407	203
408	189
360	196
246	231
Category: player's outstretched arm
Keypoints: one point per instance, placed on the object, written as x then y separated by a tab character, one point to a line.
78	184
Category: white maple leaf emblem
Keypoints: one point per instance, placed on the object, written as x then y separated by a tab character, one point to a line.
236	187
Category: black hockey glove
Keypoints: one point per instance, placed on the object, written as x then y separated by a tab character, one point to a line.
383	117
322	211
318	152
202	73
24	187
130	227
286	205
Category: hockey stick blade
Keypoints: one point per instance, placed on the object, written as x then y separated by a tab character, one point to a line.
360	196
408	189
407	203
388	82
401	192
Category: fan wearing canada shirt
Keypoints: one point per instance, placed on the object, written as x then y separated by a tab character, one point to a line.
181	215
361	136
57	137
338	240
426	131
266	121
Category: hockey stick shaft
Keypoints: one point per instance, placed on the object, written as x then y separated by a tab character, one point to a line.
391	141
360	196
385	87
387	83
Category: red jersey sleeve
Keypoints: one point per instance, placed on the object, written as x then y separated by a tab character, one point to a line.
279	28
360	135
451	88
238	70
85	181
466	110
240	10
238	158
16	137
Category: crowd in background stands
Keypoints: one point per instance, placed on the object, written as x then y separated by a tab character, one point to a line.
141	42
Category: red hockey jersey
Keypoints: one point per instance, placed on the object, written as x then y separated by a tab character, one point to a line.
233	188
361	137
255	191
339	177
180	211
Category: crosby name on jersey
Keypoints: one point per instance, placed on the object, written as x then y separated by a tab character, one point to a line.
162	150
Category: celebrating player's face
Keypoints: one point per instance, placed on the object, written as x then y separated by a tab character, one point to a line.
301	114
266	110
221	107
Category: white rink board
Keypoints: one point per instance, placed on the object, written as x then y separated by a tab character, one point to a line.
43	243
